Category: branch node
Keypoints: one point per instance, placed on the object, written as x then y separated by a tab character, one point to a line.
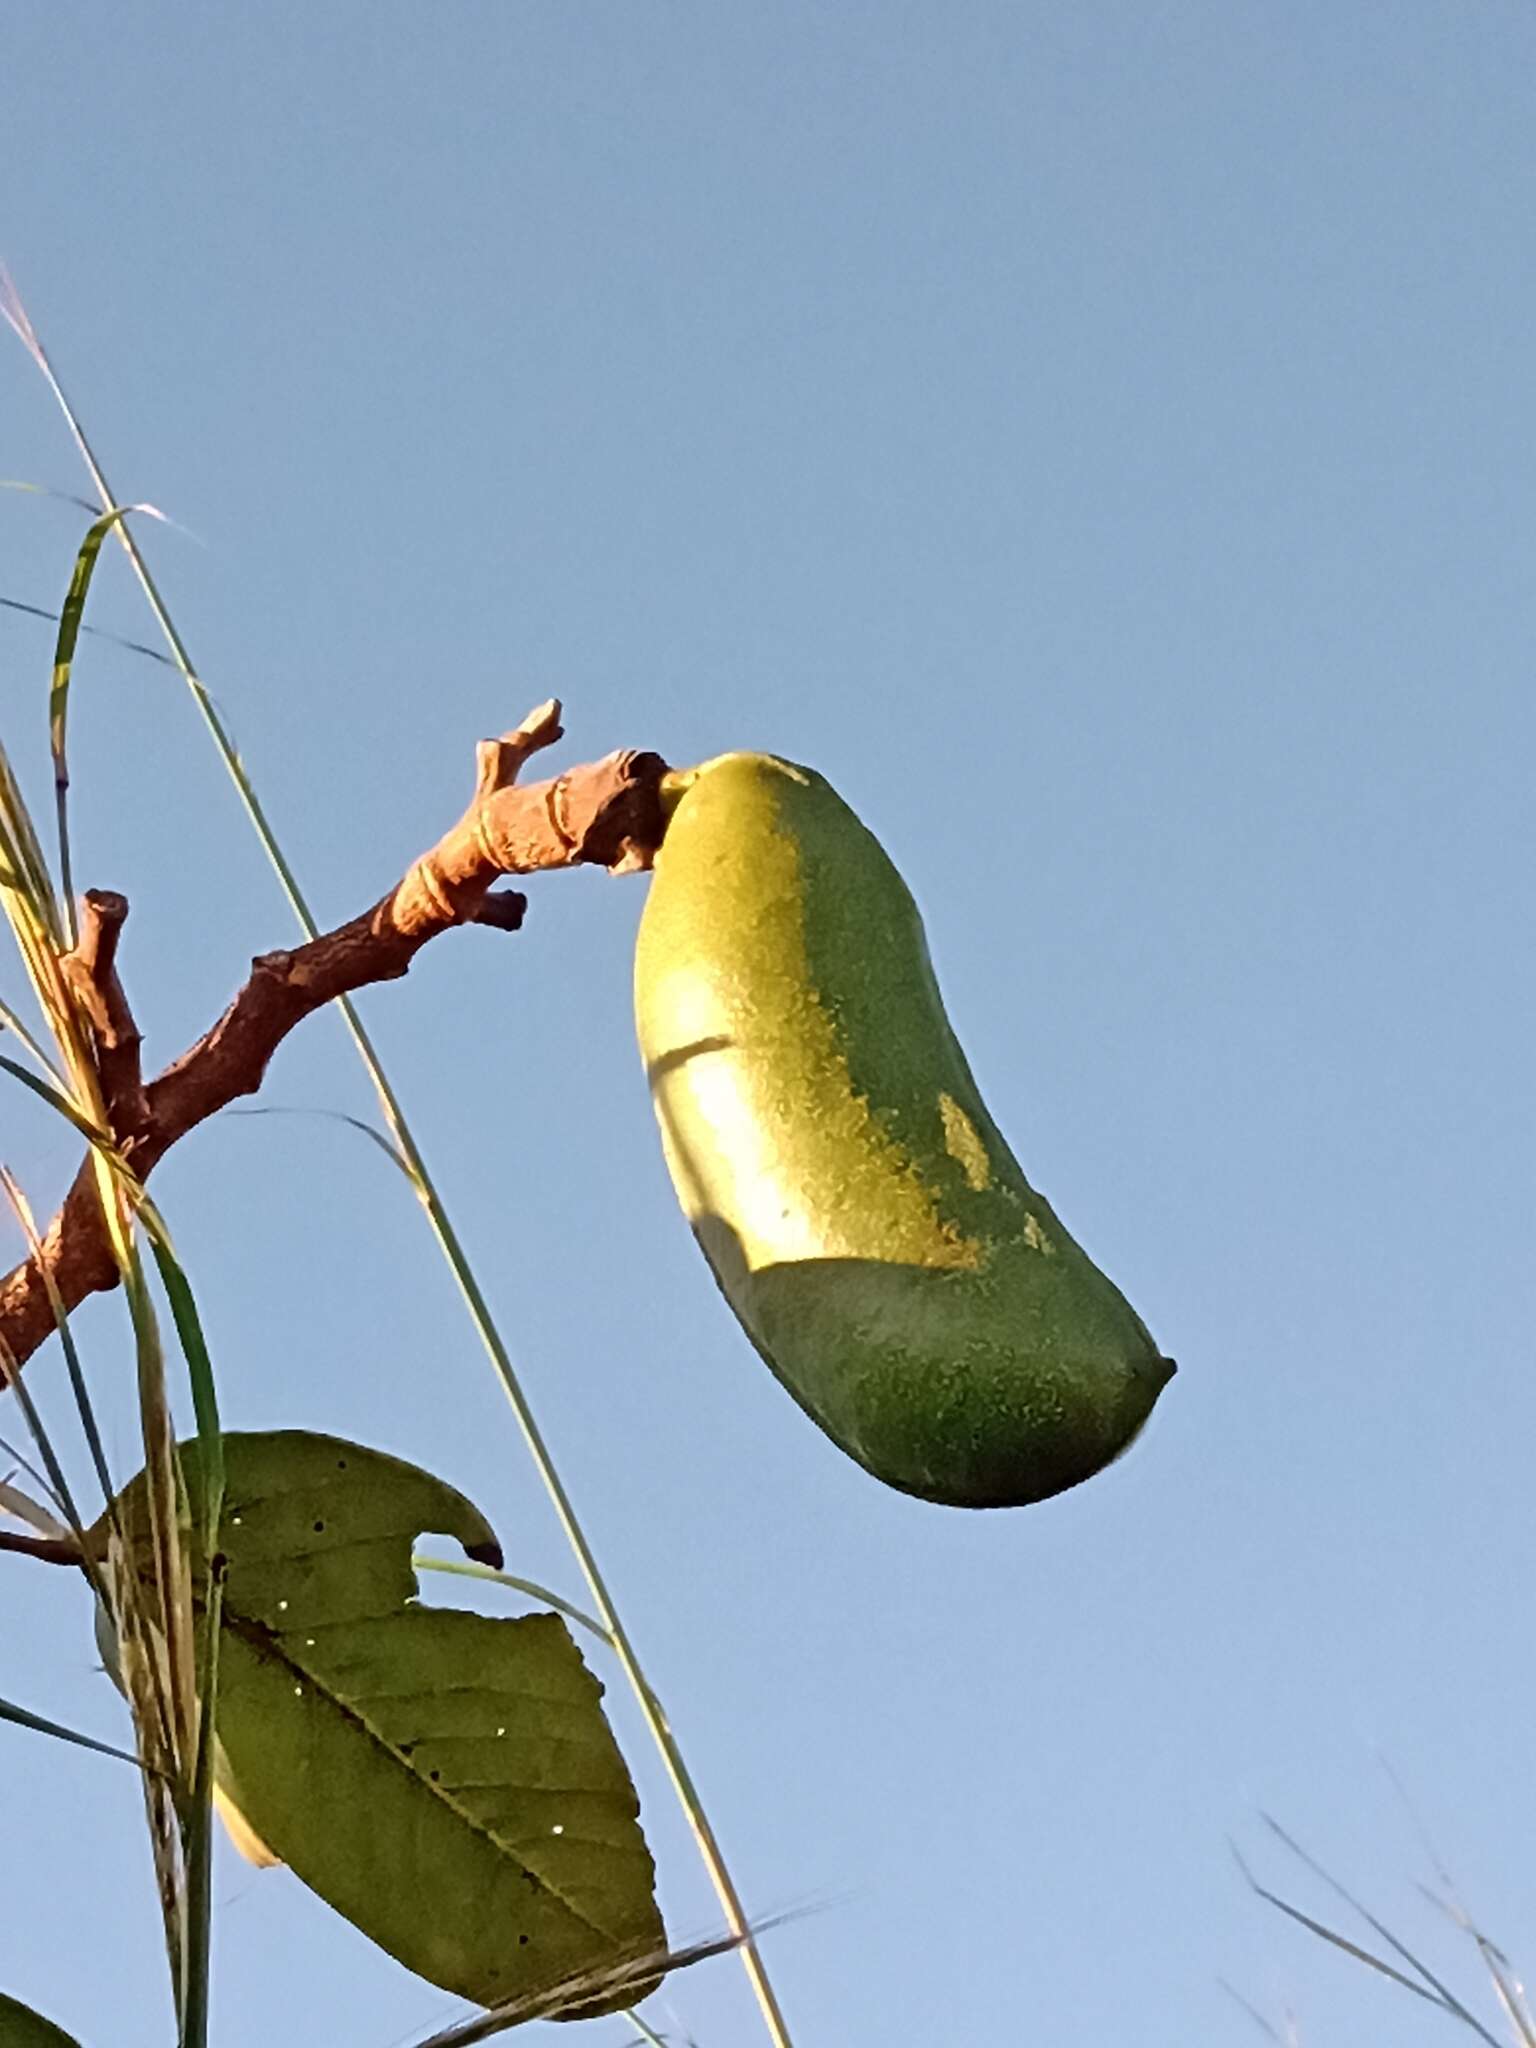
498	763
91	971
502	909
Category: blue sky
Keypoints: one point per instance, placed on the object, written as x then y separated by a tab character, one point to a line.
1103	441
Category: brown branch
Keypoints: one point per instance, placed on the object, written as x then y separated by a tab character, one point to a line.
46	1549
91	971
606	813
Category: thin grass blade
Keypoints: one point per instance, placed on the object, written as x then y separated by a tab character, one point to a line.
172	1581
1443	2002
9	1021
72	1362
16	483
70	619
647	2033
194	1346
58	1484
22	850
21	1717
140	1663
23	1508
41	611
1360	1955
1399	1948
1264	2026
579	1988
20	1463
196	1953
89	1129
466	1568
337	1116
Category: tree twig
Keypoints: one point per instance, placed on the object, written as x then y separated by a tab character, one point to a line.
605	813
91	970
46	1549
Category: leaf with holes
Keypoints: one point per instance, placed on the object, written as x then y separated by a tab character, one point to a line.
21	2027
445	1780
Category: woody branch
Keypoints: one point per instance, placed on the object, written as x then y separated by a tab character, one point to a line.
605	813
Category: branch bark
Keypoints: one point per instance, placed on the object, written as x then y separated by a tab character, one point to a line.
606	813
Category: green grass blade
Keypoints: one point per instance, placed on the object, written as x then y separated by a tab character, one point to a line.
24	1509
464	1568
1264	2026
41	611
24	878
58	1484
72	1362
169	1618
172	1586
21	1463
647	2032
1443	2000
207	1491
1446	1996
10	1377
1359	1954
582	1985
205	1399
12	1023
335	1116
70	619
91	1131
20	1717
15	483
196	1953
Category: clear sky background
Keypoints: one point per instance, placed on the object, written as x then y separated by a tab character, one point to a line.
1101	438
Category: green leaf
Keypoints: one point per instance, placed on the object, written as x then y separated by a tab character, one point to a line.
445	1780
21	2027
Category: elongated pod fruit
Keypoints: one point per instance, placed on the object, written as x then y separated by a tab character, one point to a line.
862	1213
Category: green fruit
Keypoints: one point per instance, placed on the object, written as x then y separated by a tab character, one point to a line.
862	1214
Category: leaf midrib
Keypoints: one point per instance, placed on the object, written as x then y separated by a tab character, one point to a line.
265	1642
